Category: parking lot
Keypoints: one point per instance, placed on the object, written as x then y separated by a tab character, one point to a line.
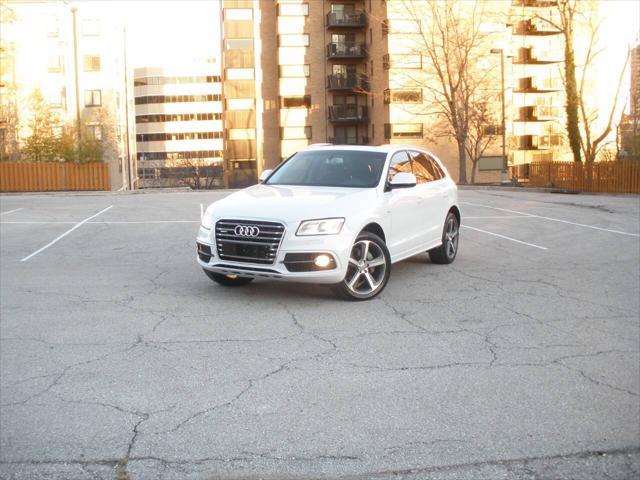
121	360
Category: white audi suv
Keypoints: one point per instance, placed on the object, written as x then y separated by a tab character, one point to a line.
337	215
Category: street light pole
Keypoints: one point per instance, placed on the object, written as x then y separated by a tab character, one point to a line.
75	65
505	167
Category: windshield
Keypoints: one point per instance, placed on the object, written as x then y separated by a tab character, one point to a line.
331	168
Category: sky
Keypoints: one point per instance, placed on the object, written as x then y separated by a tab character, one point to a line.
161	32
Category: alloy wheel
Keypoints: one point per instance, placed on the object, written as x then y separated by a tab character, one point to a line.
367	268
451	237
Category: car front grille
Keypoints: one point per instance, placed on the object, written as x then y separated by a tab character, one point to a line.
248	241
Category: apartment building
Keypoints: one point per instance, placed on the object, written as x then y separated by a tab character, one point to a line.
301	72
298	72
537	127
75	58
178	125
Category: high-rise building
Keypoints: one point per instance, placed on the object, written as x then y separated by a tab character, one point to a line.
75	57
298	72
179	127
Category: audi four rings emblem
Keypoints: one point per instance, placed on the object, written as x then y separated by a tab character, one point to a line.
246	231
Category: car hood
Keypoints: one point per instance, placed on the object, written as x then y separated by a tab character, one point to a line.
293	203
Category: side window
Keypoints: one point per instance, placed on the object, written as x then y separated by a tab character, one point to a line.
400	162
425	168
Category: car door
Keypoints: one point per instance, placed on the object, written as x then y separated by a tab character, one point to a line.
401	205
431	188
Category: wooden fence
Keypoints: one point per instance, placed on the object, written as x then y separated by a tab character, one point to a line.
622	176
49	177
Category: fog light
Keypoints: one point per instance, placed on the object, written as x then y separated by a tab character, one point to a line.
322	261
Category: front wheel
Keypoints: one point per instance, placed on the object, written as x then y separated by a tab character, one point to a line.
446	253
228	280
368	270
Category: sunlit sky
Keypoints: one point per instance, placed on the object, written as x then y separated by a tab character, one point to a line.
161	32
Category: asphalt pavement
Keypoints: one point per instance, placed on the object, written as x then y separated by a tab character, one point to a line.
120	360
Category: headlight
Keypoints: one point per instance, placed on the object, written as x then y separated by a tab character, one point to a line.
324	226
207	218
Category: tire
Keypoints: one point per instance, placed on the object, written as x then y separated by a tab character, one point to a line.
228	280
446	253
368	270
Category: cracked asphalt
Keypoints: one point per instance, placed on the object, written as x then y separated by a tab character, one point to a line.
121	360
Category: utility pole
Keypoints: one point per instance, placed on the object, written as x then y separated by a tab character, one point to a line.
75	64
505	167
126	107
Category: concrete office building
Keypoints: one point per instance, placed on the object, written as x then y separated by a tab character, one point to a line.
178	125
86	82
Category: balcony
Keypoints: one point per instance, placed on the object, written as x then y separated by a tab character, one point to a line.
349	140
527	56
358	83
531	142
537	85
346	20
534	3
346	50
539	113
530	28
348	114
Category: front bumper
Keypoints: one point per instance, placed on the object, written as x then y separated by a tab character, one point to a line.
337	246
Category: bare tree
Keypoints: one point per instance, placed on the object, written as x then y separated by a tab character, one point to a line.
583	140
198	174
481	134
452	42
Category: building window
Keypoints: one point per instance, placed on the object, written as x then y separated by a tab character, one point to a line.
178	117
92	98
403	26
296	102
177	98
55	64
294	71
239	74
241	134
238	44
90	27
95	131
53	31
238	14
138	82
293	40
293	9
91	63
167	137
404	61
492	130
295	133
240	103
402	130
403	96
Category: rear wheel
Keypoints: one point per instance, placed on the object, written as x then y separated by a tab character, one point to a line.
227	280
368	270
446	253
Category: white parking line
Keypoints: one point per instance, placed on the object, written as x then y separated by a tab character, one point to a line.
11	211
108	222
78	225
504	237
551	219
464	217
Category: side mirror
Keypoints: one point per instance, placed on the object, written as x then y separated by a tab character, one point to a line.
403	180
264	175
